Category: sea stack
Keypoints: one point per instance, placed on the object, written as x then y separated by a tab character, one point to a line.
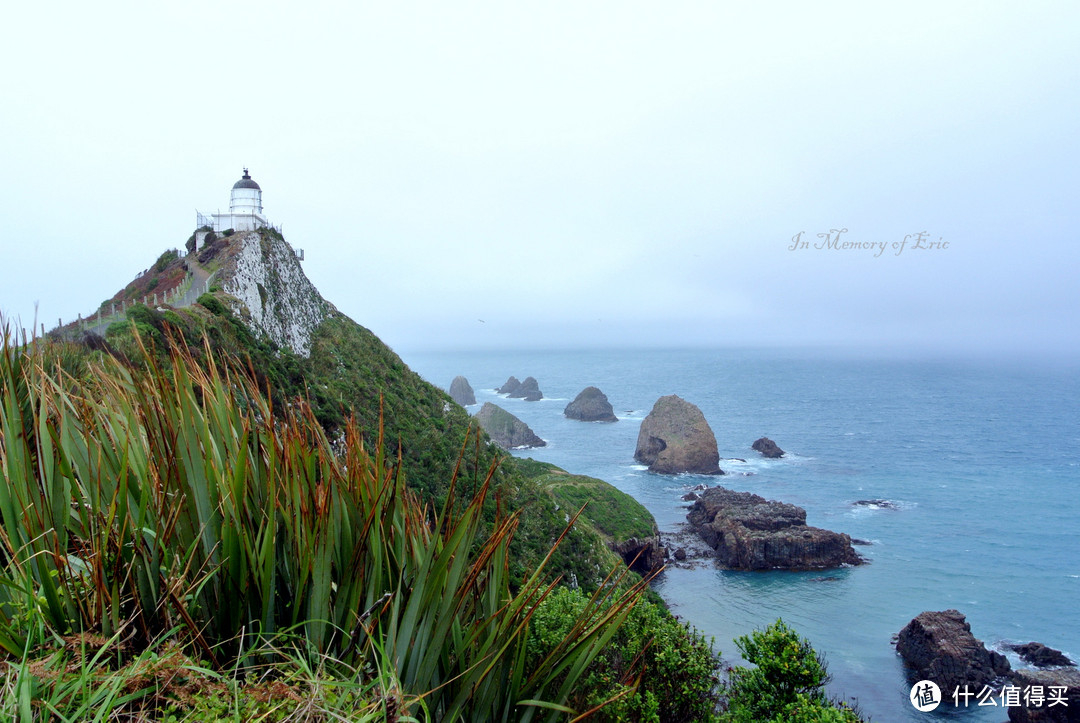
768	448
675	438
591	405
462	392
505	429
529	390
510	387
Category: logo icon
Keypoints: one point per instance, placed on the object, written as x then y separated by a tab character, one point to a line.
925	696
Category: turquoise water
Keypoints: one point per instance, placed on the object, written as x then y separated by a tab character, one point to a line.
982	461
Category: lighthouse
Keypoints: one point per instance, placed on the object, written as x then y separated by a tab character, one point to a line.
246	200
245	211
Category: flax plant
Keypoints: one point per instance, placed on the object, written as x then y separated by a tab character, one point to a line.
157	496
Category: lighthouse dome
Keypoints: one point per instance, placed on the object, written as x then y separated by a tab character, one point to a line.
246	182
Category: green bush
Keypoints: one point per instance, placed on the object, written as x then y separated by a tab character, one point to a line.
787	684
212	304
165	259
680	681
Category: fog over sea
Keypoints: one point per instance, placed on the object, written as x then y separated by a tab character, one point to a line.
980	460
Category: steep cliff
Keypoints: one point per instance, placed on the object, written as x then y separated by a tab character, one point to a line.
270	291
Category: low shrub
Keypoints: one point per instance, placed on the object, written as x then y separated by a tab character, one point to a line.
786	684
681	671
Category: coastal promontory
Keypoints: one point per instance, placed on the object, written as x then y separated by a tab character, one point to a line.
749	532
591	405
505	429
675	438
462	392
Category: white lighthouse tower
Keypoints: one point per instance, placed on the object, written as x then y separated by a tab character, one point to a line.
245	209
246	200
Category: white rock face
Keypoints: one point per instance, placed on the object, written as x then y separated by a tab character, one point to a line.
274	294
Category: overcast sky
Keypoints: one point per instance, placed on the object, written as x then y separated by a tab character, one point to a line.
567	174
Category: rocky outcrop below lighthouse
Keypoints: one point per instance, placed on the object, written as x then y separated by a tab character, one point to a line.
675	438
749	532
262	273
505	429
591	405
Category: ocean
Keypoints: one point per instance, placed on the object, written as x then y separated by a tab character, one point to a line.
980	461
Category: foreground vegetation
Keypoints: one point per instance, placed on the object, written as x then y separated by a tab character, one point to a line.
167	533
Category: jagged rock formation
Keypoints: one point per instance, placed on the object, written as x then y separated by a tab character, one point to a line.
462	392
591	405
1067	712
505	429
768	448
675	438
261	271
749	532
939	646
529	390
1041	656
510	386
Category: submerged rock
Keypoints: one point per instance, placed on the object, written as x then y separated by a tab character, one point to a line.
505	429
1041	656
462	392
591	405
768	448
529	390
939	646
876	504
749	532
675	438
